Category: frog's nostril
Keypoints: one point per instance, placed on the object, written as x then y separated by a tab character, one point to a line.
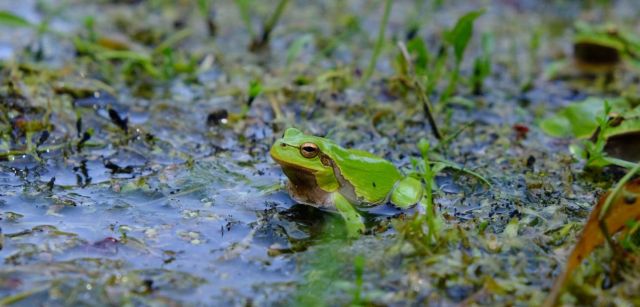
283	144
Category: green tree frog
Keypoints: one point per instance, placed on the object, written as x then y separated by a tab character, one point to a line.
325	175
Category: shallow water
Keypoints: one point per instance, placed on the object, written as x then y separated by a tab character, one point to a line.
168	209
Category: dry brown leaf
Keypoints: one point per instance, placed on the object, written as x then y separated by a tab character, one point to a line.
624	207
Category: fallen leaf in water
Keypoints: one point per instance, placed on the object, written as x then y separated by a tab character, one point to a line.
624	207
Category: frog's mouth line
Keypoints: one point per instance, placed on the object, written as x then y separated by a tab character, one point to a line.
293	166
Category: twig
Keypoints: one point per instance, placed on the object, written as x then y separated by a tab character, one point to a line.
420	91
275	105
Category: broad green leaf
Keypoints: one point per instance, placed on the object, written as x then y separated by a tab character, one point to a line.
9	19
580	119
461	33
582	116
556	126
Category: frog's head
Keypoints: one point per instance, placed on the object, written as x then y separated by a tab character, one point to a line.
302	155
302	152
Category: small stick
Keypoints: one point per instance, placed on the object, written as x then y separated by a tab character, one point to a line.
426	103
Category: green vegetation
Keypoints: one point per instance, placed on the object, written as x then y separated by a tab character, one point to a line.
458	38
591	119
379	41
135	164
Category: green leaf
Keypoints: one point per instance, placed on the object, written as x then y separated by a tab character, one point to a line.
487	50
9	19
580	119
423	146
418	48
556	126
461	33
203	7
255	88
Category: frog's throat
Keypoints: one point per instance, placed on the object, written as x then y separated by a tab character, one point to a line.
303	187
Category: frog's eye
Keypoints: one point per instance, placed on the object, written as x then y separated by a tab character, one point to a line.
309	150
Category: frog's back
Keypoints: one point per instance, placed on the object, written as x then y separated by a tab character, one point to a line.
372	177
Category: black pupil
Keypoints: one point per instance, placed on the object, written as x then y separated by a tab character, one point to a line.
309	149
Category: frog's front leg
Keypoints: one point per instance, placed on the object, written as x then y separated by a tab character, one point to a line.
351	217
